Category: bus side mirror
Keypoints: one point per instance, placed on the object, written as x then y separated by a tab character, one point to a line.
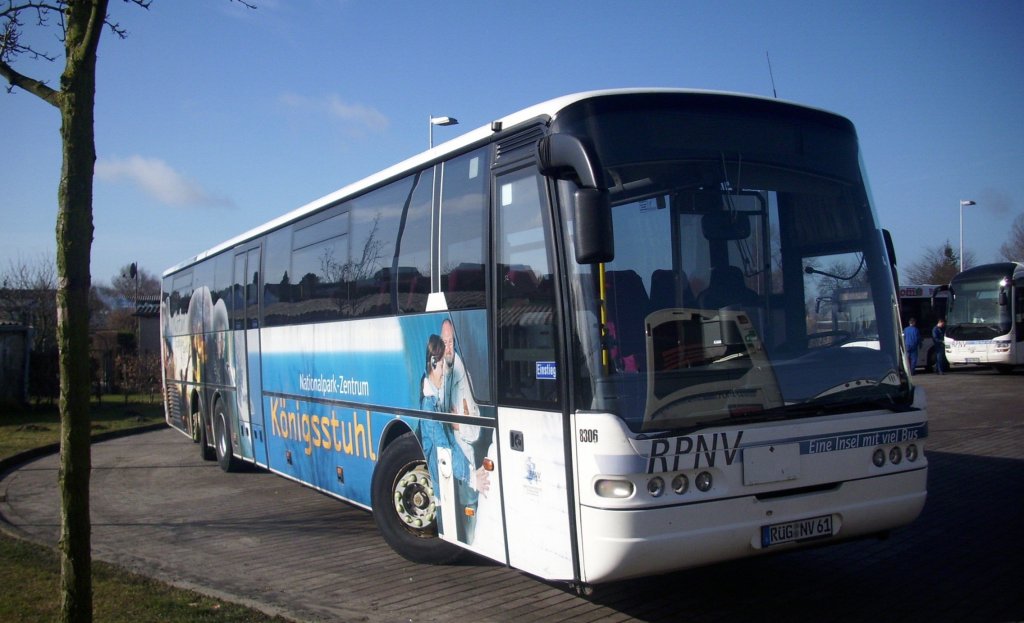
565	157
890	249
593	238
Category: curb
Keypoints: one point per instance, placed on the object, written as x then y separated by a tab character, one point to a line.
13	462
16	460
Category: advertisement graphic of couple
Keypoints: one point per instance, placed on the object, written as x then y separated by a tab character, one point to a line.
455	453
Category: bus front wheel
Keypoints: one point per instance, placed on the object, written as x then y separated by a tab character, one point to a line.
404	505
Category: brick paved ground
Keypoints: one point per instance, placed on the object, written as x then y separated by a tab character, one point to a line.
260	539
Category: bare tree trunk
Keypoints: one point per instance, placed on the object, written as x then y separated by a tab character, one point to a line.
84	22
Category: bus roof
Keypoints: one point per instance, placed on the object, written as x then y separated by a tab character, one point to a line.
548	109
1010	270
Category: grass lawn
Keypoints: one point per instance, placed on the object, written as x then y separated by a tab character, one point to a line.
30	574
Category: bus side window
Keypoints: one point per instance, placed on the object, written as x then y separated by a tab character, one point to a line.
278	302
462	212
252	290
369	270
413	277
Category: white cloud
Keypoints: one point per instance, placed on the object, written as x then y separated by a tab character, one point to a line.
157	179
365	117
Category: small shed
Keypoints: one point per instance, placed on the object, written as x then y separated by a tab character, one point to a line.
15	355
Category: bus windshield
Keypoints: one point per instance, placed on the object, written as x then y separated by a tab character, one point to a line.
749	280
976	313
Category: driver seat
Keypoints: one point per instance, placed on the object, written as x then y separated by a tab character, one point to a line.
726	287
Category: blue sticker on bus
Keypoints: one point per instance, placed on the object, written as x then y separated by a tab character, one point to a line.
546	370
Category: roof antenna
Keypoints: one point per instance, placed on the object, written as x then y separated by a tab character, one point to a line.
770	74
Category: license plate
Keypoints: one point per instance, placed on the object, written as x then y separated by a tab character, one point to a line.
796	531
972	360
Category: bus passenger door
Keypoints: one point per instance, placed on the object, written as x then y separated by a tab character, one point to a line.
246	324
531	422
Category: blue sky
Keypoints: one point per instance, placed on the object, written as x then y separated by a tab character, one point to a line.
212	118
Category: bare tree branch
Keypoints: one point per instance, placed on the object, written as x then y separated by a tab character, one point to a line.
1013	249
11	46
33	86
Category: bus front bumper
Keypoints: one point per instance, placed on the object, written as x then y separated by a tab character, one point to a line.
619	544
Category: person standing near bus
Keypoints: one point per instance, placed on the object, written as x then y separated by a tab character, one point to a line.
912	339
939	337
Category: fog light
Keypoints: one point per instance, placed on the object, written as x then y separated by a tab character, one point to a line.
895	455
680	483
912	453
656	486
704	481
613	488
878	458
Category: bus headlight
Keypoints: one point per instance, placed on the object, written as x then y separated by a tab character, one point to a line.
613	488
704	481
912	453
1003	346
878	458
680	483
656	486
895	455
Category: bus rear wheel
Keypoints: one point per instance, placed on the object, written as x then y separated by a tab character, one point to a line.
206	449
404	505
222	439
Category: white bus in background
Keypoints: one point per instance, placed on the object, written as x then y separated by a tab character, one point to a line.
916	301
579	341
985	323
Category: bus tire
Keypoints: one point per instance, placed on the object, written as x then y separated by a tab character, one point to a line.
206	449
222	439
403	505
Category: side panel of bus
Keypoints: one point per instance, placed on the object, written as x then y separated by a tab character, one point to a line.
331	390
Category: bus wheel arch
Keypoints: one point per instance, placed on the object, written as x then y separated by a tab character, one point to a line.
403	503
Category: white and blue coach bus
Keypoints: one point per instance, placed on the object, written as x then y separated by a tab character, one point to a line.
986	316
578	341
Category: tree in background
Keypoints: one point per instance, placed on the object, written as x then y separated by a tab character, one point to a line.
124	292
27	296
27	290
1013	249
81	22
133	281
938	265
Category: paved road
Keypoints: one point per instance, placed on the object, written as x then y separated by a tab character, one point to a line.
258	538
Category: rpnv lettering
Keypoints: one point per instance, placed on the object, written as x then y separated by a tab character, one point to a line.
670	455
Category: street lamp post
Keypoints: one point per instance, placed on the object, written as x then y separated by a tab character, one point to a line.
963	202
438	121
